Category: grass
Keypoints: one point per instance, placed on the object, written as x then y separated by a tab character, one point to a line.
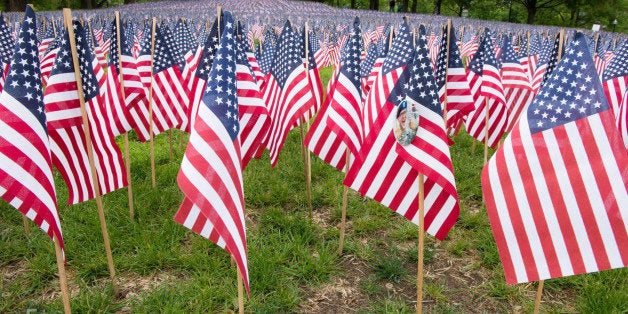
163	267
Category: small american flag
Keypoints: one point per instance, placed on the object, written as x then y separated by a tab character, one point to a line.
287	92
345	114
487	90
453	87
555	190
517	84
25	165
614	80
211	173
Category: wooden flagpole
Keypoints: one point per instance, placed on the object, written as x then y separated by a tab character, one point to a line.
304	150
26	229
419	277
539	293
344	205
240	291
90	153
63	279
150	104
127	156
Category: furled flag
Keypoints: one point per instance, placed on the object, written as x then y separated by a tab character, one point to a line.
469	45
144	59
555	190
68	139
615	78
313	77
320	139
389	173
268	54
190	50
545	66
199	79
396	60
211	173
487	90
6	50
345	114
126	109
367	65
254	120
287	92
453	87
45	41
25	165
170	96
517	84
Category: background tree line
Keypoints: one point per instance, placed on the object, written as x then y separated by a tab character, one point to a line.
570	13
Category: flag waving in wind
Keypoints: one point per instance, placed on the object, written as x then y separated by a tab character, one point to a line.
25	165
556	190
211	173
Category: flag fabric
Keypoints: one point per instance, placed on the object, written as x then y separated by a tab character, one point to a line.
199	80
254	121
615	78
320	139
6	50
516	82
47	38
555	190
487	89
396	60
545	65
118	113
381	173
144	59
453	87
68	139
211	173
345	114
26	170
622	120
428	152
170	96
287	92
313	76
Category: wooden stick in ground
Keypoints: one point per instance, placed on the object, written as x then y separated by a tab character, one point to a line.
539	294
90	153
345	194
419	277
26	229
306	166
150	105
446	69
127	156
63	279
240	292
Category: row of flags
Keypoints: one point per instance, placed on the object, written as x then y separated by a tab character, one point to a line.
389	83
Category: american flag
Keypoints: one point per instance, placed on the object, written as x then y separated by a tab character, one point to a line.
320	139
517	84
68	139
469	45
453	86
313	76
367	65
345	114
547	62
46	39
486	86
27	181
615	78
287	92
170	96
556	191
6	50
396	60
199	79
144	59
211	173
428	152
254	120
381	173
267	57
